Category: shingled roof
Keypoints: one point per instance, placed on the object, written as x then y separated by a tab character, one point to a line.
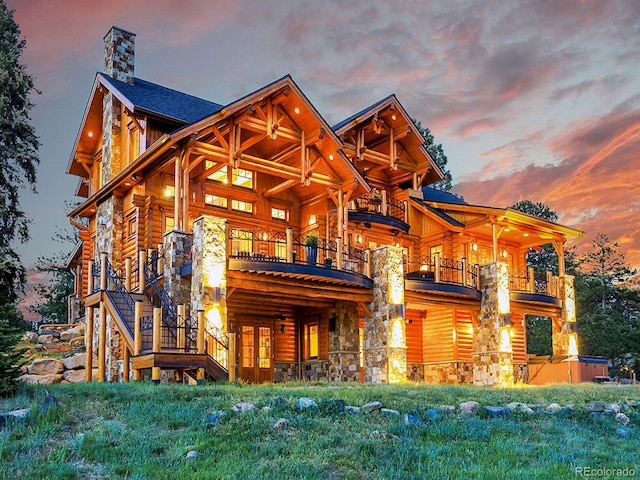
165	102
433	195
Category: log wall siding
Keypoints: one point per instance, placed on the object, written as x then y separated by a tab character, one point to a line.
414	335
437	335
286	345
519	338
464	335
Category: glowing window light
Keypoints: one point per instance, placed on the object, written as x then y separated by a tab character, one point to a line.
505	340
397	333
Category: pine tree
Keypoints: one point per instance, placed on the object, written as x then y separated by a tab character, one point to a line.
437	154
18	162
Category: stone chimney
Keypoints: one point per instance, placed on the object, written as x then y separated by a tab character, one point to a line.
119	54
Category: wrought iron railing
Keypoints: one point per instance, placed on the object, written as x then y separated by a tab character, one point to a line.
264	246
393	207
122	299
217	345
531	281
444	270
396	208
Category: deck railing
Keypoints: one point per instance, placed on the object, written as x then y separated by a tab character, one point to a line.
530	281
382	205
285	247
441	270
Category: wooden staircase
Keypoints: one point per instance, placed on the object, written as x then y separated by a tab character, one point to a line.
120	304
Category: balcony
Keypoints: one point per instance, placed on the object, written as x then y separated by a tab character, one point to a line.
298	256
534	287
442	275
378	209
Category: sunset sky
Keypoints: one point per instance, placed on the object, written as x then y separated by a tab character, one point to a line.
534	100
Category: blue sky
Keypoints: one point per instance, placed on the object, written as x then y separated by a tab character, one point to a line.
534	100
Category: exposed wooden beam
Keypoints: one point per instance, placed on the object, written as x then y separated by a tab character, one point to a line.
279	188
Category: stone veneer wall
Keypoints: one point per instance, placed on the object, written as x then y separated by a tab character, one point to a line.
443	373
344	344
209	260
560	326
119	54
385	345
492	367
175	257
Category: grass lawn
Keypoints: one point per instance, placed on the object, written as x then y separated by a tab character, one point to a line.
143	431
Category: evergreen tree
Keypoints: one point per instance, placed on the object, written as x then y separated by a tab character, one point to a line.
437	154
18	162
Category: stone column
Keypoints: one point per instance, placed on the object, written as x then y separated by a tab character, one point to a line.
492	353
385	345
176	254
344	343
564	331
209	272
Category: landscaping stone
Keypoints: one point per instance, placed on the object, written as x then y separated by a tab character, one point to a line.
46	366
41	379
74	362
46	339
623	432
48	331
469	407
447	408
622	418
553	408
244	407
14	415
192	455
519	407
434	413
32	337
73	376
371	407
413	420
305	403
594	407
632	403
497	411
390	411
567	409
614	407
71	333
351	409
281	424
215	417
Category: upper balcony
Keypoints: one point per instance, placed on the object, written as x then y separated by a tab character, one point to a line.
442	275
534	287
377	208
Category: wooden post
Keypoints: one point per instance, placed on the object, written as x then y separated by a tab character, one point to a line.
339	248
384	203
406	211
125	364
200	343
88	342
437	267
368	264
103	271
77	290
102	343
137	335
289	245
142	260
550	283
181	327
177	177
464	272
231	360
531	280
157	341
127	274
90	277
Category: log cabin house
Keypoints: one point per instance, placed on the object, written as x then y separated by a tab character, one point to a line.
254	241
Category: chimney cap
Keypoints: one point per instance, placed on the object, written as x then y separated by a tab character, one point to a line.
114	27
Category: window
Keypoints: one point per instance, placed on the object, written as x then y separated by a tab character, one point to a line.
169	224
242	178
278	214
132	226
435	250
264	359
218	176
247	346
311	341
215	200
169	191
240	206
239	176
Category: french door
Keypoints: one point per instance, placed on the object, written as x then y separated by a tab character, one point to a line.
256	353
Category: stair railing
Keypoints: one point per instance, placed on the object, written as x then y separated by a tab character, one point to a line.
125	308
